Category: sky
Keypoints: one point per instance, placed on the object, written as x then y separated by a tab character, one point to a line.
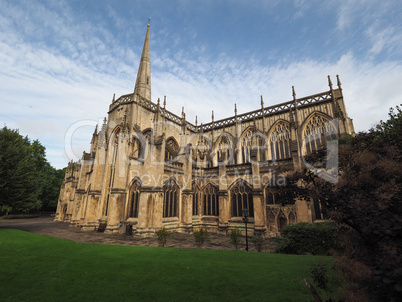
61	61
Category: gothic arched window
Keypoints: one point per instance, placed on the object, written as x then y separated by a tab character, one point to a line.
171	149
148	134
202	148
242	198
273	196
224	149
196	199
135	148
292	218
211	201
280	142
170	199
252	142
316	132
134	199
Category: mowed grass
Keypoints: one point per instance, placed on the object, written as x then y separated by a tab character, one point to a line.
40	268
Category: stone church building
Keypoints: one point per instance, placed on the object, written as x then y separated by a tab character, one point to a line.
149	168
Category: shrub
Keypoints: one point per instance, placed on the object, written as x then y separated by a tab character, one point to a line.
305	238
259	243
162	235
319	275
235	237
200	236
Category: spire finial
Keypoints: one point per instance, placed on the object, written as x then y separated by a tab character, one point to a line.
149	21
212	115
293	92
262	103
164	102
113	97
329	82
196	122
339	82
235	110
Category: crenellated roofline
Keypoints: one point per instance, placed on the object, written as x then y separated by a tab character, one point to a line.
307	101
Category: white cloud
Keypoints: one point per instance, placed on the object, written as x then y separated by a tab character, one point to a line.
50	79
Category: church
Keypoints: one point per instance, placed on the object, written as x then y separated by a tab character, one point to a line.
149	168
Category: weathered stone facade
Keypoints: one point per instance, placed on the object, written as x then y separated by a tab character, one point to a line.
149	168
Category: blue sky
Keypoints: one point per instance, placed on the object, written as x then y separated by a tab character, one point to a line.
61	61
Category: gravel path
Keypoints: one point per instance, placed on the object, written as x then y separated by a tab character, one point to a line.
46	226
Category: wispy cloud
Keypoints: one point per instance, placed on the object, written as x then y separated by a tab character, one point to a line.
59	66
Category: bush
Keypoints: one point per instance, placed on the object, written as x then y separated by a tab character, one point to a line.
200	236
162	235
235	237
305	238
259	243
319	275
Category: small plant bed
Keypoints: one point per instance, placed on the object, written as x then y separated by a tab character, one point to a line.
41	268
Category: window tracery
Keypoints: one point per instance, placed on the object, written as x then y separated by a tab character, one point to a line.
135	198
316	132
196	199
225	149
136	148
170	199
242	198
253	141
171	149
210	200
280	142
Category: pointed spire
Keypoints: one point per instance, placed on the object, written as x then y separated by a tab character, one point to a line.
262	103
212	116
235	110
164	102
143	82
114	95
196	122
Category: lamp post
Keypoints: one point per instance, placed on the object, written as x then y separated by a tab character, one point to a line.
245	219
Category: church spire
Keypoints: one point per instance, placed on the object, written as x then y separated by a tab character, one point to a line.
143	82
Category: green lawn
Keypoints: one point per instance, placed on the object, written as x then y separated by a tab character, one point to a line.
40	268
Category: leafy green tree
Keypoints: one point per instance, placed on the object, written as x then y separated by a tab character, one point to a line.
27	181
391	130
51	179
19	182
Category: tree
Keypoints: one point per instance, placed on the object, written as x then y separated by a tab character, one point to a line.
19	183
27	181
51	180
367	200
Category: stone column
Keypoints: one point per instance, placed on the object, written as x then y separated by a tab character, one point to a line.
224	211
115	211
259	213
258	198
91	219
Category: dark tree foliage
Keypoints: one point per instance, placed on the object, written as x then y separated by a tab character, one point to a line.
305	238
367	199
27	181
